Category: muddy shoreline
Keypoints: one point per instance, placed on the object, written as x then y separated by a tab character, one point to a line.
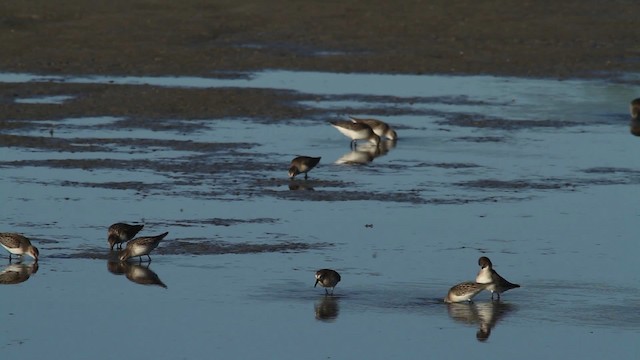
207	38
230	38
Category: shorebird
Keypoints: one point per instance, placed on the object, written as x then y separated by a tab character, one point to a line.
495	283
327	278
141	246
379	127
302	164
356	131
634	109
17	244
120	232
464	291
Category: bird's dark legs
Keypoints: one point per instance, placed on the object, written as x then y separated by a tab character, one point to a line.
305	176
149	257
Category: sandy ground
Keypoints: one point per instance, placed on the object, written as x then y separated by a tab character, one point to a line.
552	38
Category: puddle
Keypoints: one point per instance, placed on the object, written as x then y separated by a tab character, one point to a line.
58	99
539	175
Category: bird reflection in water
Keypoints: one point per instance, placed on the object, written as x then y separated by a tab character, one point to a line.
137	273
364	154
16	273
327	308
483	314
300	186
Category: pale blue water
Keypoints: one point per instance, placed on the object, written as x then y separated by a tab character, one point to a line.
572	247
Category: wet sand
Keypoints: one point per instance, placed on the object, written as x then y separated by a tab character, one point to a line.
223	38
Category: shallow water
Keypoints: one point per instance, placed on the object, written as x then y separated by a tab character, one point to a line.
547	189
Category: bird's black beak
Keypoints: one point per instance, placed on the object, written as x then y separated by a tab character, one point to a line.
317	280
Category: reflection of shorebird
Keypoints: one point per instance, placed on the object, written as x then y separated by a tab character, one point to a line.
366	154
356	131
327	278
489	314
464	292
19	245
297	186
120	232
117	267
327	308
142	275
485	314
379	127
17	273
141	246
302	164
634	109
463	312
495	283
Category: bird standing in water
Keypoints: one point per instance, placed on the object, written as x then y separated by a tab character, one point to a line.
327	278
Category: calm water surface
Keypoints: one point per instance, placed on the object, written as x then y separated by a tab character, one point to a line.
554	207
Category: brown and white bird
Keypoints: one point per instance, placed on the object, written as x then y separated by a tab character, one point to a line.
356	131
119	233
327	278
381	128
464	291
494	282
302	164
17	244
141	246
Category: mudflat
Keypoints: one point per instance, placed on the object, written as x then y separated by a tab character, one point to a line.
222	38
550	38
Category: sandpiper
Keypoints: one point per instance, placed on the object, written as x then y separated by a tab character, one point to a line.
328	279
120	232
464	291
495	283
356	131
141	246
17	244
634	109
302	164
379	127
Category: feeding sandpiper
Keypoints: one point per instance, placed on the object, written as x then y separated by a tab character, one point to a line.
464	291
327	278
302	164
495	283
19	245
141	246
379	127
120	232
356	131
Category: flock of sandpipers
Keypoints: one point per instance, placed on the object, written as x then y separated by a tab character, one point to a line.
371	130
356	129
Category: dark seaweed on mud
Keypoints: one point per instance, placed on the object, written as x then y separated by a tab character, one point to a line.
204	247
515	184
483	122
